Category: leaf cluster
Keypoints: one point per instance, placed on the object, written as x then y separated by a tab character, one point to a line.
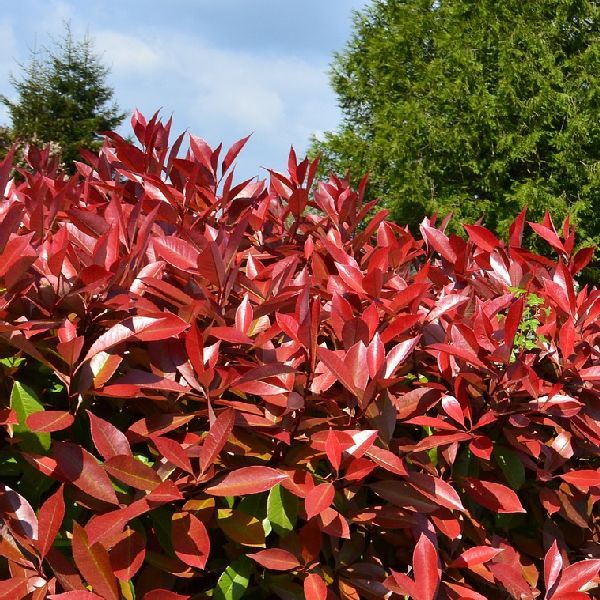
221	389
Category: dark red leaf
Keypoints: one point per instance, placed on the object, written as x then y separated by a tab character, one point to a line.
127	555
319	498
133	472
50	519
94	564
49	420
247	480
108	440
217	437
80	468
494	496
190	540
275	559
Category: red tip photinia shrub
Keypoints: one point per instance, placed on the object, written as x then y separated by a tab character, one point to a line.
219	389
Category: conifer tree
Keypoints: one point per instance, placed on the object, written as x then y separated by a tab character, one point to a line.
63	97
475	108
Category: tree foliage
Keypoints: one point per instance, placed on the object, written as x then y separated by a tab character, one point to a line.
478	108
63	97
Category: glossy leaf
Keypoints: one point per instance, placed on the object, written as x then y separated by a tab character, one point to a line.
50	519
275	559
190	540
49	421
80	468
282	510
216	438
319	498
94	564
234	580
247	480
108	440
132	472
494	496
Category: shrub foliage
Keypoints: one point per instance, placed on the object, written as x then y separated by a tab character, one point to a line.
212	391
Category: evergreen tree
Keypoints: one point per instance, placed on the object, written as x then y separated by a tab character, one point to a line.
478	108
63	98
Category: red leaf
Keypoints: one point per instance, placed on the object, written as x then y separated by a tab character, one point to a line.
549	235
247	480
108	440
50	519
94	564
133	472
127	556
75	595
275	559
575	576
375	355
161	594
230	334
482	237
190	540
232	153
14	588
174	453
333	450
216	438
49	420
141	328
584	479
494	496
452	408
403	495
482	447
439	242
17	513
477	555
80	468
437	489
318	499
336	365
516	229
387	460
553	565
314	587
398	354
401	584
426	568
243	316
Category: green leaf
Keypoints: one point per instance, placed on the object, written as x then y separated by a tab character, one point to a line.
254	505
12	361
234	581
282	510
512	467
161	519
25	402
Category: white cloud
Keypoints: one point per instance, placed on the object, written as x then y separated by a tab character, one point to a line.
126	54
273	96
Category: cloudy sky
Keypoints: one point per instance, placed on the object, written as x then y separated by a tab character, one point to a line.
222	68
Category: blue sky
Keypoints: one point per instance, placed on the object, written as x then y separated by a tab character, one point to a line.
222	68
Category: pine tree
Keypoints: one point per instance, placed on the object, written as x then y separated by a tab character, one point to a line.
63	98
